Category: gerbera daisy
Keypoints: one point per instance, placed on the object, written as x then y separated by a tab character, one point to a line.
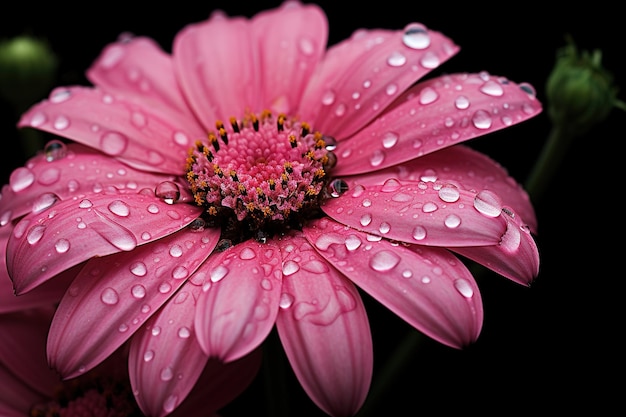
254	177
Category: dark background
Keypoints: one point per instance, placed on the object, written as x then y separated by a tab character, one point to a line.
554	347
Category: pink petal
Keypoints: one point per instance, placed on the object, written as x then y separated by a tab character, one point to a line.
217	66
291	41
114	295
324	330
240	303
362	75
62	172
47	243
24	374
165	358
427	287
120	129
463	167
516	256
436	114
138	71
419	212
219	384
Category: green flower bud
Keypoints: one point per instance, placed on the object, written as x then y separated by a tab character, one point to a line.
580	93
27	71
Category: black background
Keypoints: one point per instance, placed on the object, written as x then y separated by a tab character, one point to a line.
553	347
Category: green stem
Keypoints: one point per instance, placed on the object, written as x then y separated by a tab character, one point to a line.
548	162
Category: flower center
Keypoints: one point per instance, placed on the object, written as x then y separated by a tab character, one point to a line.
98	397
260	174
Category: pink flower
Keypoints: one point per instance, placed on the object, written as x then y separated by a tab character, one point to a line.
254	178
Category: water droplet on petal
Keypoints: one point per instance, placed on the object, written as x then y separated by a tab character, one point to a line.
390	185
452	221
396	59
61	123
449	193
488	203
35	234
353	242
218	273
390	139
377	158
286	300
20	179
138	291
492	88
55	150
384	261
428	95
416	36
290	267
462	102
181	139
168	191
247	253
62	245
429	207
419	233
167	374
481	119
464	288
119	208
139	269
113	143
328	98
109	296
44	202
337	187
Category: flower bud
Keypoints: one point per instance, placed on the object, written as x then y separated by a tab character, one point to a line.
580	92
27	70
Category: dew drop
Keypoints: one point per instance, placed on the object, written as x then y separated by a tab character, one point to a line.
109	296
449	193
464	288
85	204
366	219
290	267
419	233
492	88
377	158
384	261
38	119
452	221
391	89
35	234
337	187
358	191
328	98
170	403
44	202
167	374
20	179
181	138
396	59
430	60
384	228
416	36
113	143
429	207
138	291
176	251
391	185
247	253
481	119
62	245
61	123
119	208
353	242
428	95
148	355
180	272
487	203
164	288
168	191
461	102
286	300
184	332
218	273
390	139
55	150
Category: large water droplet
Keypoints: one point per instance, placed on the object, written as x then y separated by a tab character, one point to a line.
218	273
35	233
449	193
44	202
488	203
384	260
464	288
61	123
462	102
168	191
109	296
416	36
113	143
481	119
55	150
119	208
337	187
290	267
396	59
138	269
21	179
389	139
138	291
390	185
62	245
492	88
428	95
